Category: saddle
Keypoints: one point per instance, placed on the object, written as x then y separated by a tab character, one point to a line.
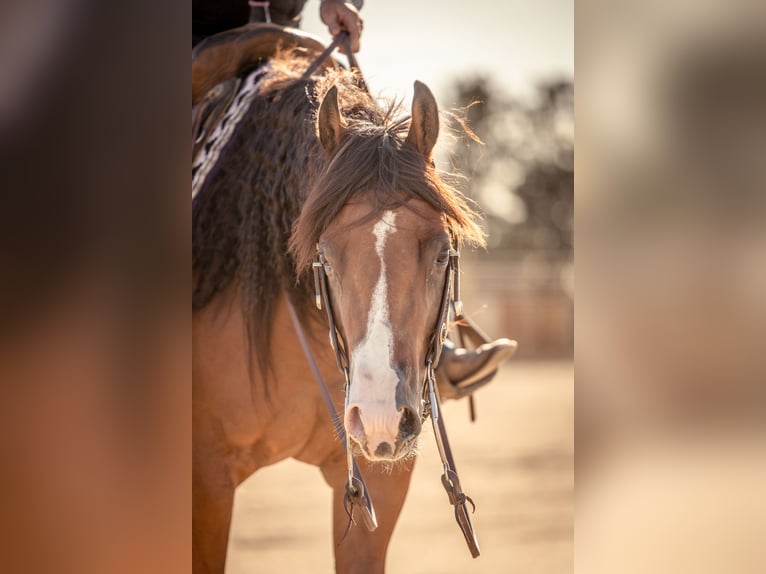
221	61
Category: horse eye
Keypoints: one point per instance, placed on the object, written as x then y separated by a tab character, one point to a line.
443	258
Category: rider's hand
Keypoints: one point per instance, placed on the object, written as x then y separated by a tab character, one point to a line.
340	15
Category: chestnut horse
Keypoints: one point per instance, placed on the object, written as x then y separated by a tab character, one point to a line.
315	163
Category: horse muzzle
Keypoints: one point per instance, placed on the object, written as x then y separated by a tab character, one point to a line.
383	434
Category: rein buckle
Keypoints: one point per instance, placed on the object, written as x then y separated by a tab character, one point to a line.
355	499
317	267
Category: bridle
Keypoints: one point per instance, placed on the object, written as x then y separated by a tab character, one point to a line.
357	499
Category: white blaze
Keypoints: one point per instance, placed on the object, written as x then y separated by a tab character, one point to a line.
373	378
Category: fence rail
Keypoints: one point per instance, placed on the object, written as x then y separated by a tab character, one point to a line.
528	299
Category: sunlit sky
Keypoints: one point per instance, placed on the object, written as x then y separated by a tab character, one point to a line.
517	42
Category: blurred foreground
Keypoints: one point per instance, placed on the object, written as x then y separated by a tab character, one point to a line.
516	462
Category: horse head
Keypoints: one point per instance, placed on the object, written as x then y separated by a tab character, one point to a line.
385	249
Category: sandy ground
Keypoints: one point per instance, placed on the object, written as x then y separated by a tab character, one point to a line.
516	462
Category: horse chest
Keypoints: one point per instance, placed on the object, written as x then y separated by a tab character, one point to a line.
293	431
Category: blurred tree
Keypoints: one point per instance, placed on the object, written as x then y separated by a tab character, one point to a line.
524	176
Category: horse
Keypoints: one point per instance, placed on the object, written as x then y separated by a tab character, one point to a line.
315	170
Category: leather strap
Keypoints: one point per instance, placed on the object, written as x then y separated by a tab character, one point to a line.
451	282
322	300
324	55
341	38
450	480
467	329
357	495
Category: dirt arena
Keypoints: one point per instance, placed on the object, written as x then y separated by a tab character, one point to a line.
516	462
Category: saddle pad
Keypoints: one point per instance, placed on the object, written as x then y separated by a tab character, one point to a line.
218	135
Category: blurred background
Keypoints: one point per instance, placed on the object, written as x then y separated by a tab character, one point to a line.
671	305
512	63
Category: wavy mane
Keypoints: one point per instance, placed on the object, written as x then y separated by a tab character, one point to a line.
257	219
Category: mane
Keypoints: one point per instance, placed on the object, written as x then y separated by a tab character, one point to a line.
374	159
258	216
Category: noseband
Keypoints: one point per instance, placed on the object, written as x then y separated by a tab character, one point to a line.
357	497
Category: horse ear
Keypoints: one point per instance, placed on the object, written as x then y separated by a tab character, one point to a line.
424	128
330	122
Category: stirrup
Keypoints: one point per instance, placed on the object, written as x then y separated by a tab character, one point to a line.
468	332
450	390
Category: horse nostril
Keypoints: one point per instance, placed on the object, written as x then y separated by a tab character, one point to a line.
409	425
354	425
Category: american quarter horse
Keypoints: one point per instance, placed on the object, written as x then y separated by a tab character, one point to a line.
314	171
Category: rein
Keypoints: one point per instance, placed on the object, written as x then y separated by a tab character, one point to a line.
340	38
356	495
